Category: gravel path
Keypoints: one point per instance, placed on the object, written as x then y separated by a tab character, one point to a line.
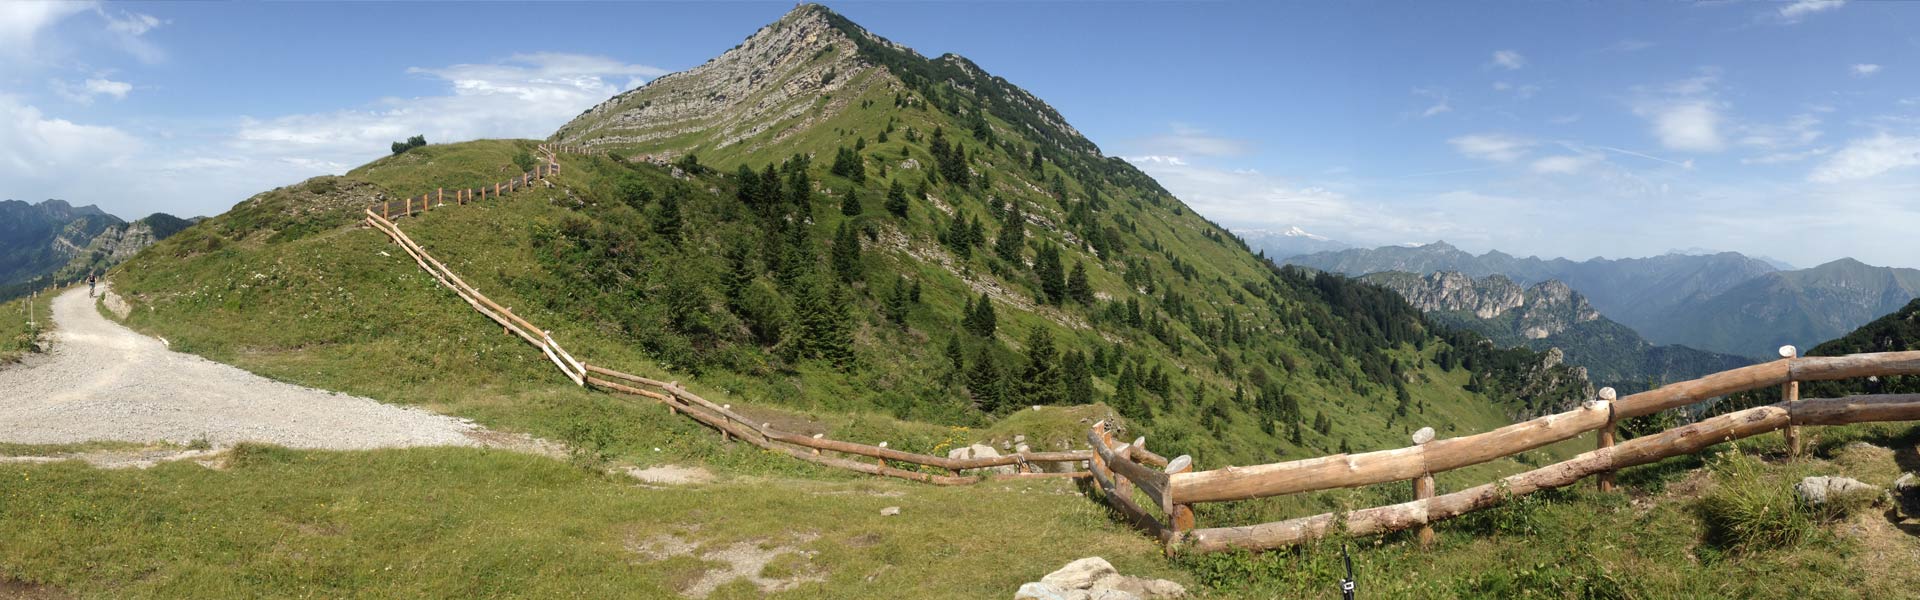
102	381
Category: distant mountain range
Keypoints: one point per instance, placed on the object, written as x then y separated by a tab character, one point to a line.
1549	315
1279	244
1724	302
57	241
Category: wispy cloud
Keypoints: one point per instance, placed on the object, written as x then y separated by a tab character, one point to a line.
1495	147
1438	101
1628	45
1866	158
1799	10
1521	91
84	92
1566	164
1187	140
1864	70
1684	115
1508	59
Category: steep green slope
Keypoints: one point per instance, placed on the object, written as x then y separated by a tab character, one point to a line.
1550	315
1898	331
948	265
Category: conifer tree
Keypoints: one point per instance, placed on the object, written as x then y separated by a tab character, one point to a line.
850	202
1078	289
898	302
666	218
1041	383
1077	378
986	384
1013	236
980	319
846	253
897	200
1046	266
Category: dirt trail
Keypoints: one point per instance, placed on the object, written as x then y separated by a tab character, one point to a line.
102	381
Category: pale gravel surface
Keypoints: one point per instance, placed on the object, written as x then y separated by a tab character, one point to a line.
102	381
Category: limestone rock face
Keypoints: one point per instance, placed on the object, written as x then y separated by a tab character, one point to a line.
777	75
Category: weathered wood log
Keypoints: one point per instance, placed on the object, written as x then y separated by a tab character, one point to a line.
1399	464
1152	482
1605	438
1790	392
1638	451
1341	470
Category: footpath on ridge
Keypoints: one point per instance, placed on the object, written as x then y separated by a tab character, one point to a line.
104	382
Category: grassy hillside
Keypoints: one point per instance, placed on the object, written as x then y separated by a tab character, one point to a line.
22	323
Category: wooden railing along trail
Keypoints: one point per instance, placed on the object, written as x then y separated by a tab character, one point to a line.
722	417
1125	472
1174	490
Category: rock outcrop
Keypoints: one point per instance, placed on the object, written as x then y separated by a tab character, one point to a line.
1093	578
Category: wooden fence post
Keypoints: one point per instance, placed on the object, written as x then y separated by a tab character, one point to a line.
1181	519
1790	392
1607	395
1423	485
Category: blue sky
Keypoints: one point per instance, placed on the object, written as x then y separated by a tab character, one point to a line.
1787	129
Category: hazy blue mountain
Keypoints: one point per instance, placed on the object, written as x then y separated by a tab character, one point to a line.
1802	307
1550	315
40	242
1638	292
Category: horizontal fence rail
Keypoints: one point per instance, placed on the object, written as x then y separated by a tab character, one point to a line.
1687	439
722	417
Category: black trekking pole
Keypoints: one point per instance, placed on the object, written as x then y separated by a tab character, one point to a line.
1346	585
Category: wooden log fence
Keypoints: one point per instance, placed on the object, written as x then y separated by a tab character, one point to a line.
414	205
1175	490
1125	472
722	417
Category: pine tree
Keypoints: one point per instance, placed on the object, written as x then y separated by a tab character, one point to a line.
1077	378
898	301
1046	266
980	320
826	328
1126	394
897	200
1040	384
846	253
1013	236
850	203
800	189
986	384
666	219
956	356
1078	289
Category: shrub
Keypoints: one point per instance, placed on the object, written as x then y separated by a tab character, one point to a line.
1749	511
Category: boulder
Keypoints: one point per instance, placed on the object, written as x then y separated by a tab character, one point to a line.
1820	490
982	451
890	511
1906	491
1093	578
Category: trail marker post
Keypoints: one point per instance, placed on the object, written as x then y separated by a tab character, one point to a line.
1790	392
1607	395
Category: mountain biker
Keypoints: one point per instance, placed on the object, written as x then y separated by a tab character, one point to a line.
91	279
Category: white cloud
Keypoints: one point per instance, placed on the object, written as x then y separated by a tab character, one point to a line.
1520	91
1793	13
1156	159
1186	140
527	95
85	91
22	21
1508	59
36	147
1684	115
1439	98
1865	69
1491	146
1867	158
1786	157
1795	132
1566	164
127	30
